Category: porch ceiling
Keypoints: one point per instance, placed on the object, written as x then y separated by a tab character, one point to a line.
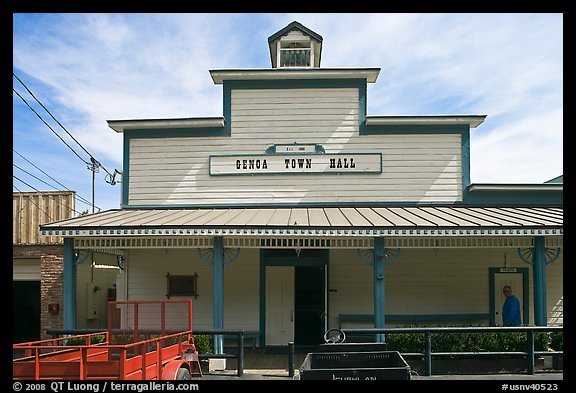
316	221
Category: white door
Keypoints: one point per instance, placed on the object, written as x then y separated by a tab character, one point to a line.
279	305
514	280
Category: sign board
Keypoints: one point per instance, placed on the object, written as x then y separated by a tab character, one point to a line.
295	148
295	164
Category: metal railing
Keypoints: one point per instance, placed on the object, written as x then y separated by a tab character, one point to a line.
290	57
240	345
427	353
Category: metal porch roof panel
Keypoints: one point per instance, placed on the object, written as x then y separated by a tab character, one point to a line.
434	217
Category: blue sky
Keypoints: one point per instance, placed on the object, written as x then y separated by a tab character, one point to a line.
90	68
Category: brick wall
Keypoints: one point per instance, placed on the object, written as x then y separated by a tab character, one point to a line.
51	292
51	281
37	250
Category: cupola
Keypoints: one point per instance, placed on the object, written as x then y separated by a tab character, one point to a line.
295	46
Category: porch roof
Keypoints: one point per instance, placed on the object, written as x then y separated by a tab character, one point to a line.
315	221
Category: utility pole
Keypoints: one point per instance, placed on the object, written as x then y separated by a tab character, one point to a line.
93	166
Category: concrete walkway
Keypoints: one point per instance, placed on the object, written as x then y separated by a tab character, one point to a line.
282	375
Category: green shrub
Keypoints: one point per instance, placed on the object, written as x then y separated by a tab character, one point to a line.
405	342
467	342
203	343
557	341
82	340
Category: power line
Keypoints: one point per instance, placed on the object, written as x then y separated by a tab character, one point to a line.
32	202
42	193
35	177
60	184
93	161
50	185
48	125
93	165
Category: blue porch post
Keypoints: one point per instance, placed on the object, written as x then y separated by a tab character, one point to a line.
539	276
379	286
218	311
69	312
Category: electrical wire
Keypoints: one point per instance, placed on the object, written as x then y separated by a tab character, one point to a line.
93	165
34	203
50	185
92	159
34	176
43	193
48	125
60	184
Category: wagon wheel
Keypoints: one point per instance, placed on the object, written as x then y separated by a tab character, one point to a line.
334	336
550	254
183	374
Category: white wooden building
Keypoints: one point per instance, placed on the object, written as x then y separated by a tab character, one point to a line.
297	211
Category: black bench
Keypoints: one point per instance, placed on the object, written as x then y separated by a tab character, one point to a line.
417	318
253	336
343	318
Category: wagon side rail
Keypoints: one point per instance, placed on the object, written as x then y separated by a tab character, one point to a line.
53	359
239	334
56	344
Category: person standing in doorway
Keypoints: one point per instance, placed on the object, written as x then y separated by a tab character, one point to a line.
510	308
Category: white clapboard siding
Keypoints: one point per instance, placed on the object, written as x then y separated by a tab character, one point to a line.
415	168
555	289
427	281
421	281
241	291
147	281
350	286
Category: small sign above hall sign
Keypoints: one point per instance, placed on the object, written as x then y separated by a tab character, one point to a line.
295	160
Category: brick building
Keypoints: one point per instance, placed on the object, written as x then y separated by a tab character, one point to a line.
38	270
37	261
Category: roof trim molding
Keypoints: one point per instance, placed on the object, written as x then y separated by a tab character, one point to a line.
370	74
516	187
247	232
472	120
154	124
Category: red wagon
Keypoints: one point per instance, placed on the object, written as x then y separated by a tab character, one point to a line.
145	340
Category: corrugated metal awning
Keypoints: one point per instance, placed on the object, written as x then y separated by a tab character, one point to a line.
316	221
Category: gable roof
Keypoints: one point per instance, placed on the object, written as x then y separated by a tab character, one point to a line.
295	25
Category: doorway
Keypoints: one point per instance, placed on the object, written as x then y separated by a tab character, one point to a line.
517	279
310	305
25	311
279	305
294	305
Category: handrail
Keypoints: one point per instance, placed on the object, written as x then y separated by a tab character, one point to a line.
427	352
240	341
